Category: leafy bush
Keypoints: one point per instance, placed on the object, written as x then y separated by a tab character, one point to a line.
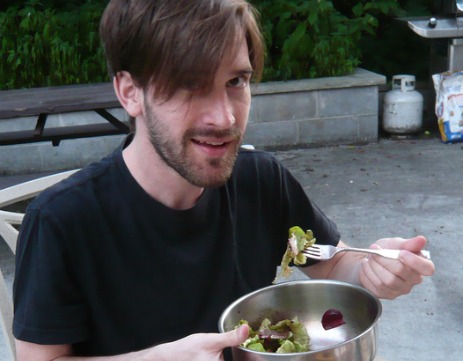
55	42
311	38
43	47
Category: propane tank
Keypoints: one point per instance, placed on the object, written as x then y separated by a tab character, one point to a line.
403	106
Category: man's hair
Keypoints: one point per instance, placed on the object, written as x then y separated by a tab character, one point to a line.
175	44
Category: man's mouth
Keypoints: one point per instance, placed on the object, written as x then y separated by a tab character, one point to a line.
213	148
209	143
208	139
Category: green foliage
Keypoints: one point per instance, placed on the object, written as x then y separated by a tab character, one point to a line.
395	48
55	4
43	47
311	38
55	42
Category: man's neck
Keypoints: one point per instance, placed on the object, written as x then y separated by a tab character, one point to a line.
157	179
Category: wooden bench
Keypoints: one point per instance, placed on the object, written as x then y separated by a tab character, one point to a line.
42	102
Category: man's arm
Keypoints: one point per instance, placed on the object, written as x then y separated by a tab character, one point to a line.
196	347
386	278
26	351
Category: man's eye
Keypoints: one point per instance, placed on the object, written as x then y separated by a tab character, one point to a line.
238	82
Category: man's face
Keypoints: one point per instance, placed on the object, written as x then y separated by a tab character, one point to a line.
198	134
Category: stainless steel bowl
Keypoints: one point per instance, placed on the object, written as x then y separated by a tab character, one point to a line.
308	301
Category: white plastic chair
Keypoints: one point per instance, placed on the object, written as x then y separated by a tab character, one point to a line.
8	231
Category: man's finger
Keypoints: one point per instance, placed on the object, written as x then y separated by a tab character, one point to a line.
233	338
418	263
415	244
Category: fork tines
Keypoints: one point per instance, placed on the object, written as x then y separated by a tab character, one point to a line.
313	252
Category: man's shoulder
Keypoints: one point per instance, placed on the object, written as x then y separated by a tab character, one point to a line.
83	184
258	168
257	158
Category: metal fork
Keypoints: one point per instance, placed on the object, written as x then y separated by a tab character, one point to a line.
323	252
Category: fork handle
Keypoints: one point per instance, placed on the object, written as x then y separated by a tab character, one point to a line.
387	253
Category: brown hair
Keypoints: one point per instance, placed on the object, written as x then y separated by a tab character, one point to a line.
177	43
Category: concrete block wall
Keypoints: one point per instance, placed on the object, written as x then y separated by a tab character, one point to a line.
335	110
315	112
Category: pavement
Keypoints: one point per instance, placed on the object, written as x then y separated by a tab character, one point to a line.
395	187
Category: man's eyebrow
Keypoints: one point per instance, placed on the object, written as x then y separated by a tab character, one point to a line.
244	72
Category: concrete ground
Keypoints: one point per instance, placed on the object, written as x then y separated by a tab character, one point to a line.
399	188
391	188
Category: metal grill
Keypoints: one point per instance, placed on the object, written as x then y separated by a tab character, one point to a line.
447	24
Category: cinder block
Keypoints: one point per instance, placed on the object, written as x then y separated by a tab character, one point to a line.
17	124
328	130
368	128
284	106
43	156
275	134
84	118
349	101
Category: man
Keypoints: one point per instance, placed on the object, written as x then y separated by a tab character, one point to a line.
136	256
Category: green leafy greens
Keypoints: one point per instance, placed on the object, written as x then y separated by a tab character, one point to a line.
286	336
297	242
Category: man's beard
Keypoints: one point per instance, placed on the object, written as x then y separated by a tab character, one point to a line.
211	172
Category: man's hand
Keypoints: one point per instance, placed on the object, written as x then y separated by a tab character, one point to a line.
391	278
196	347
201	346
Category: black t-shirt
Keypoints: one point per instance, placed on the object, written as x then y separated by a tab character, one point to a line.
105	267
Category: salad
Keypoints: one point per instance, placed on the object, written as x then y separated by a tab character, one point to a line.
297	242
286	336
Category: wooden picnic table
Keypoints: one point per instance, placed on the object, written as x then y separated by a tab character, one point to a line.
42	102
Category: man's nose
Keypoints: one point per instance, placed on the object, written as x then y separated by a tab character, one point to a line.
218	111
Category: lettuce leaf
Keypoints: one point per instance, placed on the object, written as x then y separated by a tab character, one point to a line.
286	347
297	242
286	336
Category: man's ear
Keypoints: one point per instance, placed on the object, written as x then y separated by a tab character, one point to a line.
129	94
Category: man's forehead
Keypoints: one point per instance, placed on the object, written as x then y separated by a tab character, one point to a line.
237	55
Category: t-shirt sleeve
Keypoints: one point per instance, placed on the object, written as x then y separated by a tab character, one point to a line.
281	198
304	213
283	202
49	309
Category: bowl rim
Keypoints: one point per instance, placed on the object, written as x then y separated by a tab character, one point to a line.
361	289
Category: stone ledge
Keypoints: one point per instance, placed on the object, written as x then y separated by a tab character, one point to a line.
360	78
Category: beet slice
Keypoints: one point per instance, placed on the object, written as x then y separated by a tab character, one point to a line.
332	318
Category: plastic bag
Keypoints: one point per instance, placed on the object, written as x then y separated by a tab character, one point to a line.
449	105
